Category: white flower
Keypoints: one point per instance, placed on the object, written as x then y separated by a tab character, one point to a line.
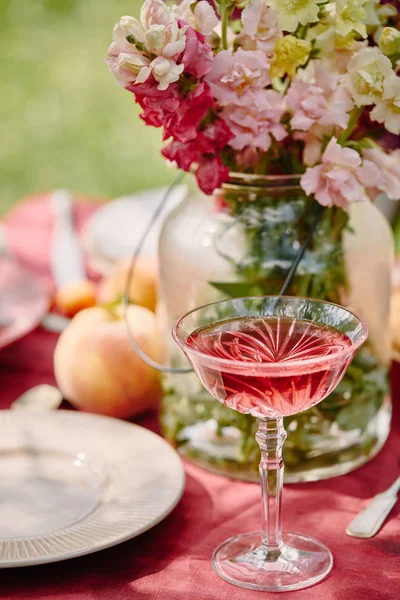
128	68
260	27
350	16
203	18
165	71
389	166
154	12
387	109
366	75
157	36
154	38
293	12
126	29
157	33
166	40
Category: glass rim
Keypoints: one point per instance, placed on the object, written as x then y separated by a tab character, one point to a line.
237	179
270	366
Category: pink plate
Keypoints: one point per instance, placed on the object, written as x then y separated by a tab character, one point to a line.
24	300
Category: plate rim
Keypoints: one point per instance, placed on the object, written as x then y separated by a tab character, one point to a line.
119	539
46	303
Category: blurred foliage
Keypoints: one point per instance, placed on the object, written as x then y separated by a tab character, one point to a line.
63	120
397	236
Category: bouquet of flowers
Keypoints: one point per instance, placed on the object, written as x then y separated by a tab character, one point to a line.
306	87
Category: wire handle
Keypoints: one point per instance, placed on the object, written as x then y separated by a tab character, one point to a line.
125	298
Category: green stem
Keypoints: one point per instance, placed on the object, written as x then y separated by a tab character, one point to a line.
302	32
263	164
353	120
224	24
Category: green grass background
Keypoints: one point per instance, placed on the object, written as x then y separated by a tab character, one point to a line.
63	120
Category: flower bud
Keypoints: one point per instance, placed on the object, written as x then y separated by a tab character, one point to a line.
389	42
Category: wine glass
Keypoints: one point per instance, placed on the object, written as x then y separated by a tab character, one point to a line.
270	357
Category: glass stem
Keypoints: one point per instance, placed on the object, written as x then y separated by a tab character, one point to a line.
270	437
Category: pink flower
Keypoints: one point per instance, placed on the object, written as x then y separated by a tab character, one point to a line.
199	15
128	67
184	154
320	102
208	142
232	75
256	119
251	112
179	115
198	56
203	151
260	27
211	174
157	105
217	133
389	167
312	150
183	124
341	178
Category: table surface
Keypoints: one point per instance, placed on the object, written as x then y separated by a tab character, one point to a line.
172	561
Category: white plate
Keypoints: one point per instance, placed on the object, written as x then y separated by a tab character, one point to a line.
74	483
114	230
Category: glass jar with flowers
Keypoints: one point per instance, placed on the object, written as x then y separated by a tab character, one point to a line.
288	116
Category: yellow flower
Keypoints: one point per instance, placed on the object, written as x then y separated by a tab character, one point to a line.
289	53
293	12
350	16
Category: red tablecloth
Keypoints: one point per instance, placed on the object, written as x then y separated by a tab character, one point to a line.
172	561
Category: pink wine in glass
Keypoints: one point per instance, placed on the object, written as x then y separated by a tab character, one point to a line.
296	382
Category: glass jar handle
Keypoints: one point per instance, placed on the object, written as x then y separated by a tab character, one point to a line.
125	298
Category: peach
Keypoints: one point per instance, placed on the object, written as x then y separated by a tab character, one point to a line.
143	289
97	370
75	297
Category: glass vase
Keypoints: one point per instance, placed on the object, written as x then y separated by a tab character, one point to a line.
242	241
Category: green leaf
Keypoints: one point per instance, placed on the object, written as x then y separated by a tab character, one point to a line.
237	289
357	415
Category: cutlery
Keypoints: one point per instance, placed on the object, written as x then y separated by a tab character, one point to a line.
369	521
66	256
55	323
39	397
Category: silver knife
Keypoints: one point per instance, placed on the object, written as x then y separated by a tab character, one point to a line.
369	521
66	256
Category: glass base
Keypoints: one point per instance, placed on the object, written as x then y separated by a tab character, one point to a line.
301	562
